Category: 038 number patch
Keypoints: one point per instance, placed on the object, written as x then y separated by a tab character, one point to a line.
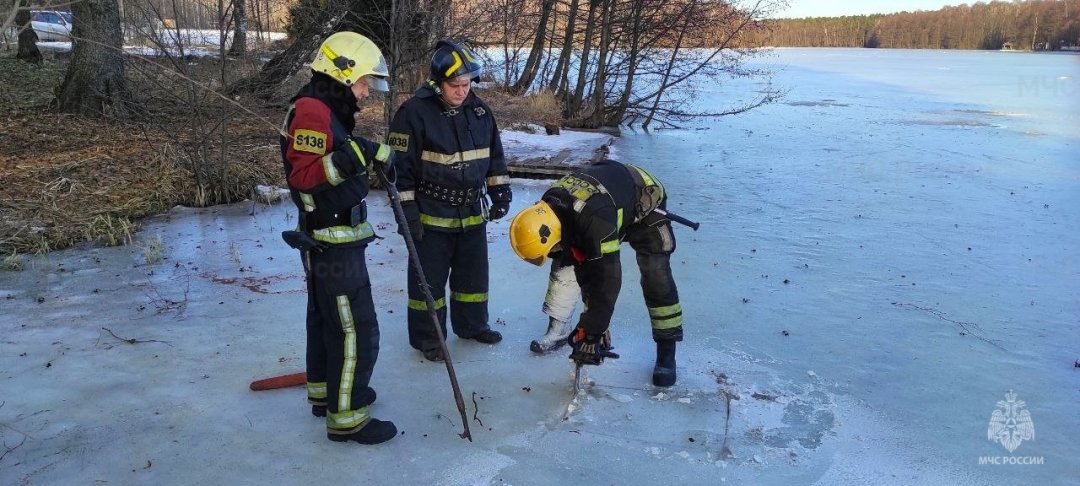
309	141
398	141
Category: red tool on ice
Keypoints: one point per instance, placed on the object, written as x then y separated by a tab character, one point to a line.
283	381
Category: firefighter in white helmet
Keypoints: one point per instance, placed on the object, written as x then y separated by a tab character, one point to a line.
327	171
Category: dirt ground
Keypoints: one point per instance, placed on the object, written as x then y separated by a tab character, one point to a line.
67	179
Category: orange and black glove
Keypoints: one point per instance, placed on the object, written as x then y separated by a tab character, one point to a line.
590	349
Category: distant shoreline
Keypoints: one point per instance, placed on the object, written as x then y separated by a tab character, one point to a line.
1028	51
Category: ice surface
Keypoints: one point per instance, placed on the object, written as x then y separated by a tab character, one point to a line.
861	294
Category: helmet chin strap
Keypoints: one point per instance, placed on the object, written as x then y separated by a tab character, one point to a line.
448	105
442	99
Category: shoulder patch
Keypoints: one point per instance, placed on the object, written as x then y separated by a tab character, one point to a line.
309	141
398	141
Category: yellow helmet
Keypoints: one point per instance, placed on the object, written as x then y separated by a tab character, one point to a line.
348	56
534	231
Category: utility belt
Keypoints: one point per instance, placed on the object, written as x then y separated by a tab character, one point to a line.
449	195
322	219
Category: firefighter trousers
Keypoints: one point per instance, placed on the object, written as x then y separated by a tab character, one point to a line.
463	259
653	242
342	335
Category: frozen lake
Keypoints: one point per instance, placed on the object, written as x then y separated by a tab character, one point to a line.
906	225
883	256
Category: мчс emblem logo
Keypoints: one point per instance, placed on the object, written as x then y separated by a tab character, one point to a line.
1011	423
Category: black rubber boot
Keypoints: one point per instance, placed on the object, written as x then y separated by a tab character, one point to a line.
366	398
664	372
375	431
488	336
434	354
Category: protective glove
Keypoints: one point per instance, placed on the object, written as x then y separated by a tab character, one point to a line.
590	349
500	195
387	166
498	210
412	217
354	151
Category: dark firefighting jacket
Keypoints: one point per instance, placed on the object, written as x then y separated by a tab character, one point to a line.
595	207
447	159
326	169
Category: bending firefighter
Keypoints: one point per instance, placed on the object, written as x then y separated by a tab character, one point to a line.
449	157
326	168
580	222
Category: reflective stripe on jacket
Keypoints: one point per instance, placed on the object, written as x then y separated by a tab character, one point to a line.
455	151
326	170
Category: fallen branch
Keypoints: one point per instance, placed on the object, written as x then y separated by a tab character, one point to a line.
133	340
164	304
476	409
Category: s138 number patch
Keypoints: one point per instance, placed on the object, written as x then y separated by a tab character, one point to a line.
309	141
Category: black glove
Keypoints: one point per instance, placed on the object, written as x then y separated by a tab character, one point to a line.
498	210
500	195
354	148
412	217
590	349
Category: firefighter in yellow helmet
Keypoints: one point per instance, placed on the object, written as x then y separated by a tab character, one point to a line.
326	168
580	223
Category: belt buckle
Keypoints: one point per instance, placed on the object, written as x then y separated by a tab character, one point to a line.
471	195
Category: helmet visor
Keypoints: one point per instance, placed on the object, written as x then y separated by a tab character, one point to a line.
538	261
381	69
377	84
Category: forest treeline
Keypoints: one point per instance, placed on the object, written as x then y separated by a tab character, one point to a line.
1034	25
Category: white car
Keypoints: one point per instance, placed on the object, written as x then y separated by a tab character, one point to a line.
51	25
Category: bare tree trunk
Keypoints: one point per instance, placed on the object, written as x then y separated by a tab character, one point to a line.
289	61
599	95
260	27
269	11
95	78
663	81
635	50
579	89
240	22
438	20
1035	34
532	64
558	78
404	67
28	50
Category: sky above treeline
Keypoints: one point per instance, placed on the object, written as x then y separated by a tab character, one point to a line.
837	8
